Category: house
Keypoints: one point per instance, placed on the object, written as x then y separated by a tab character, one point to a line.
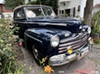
96	8
74	8
5	12
71	7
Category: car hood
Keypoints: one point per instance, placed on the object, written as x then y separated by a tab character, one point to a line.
47	33
70	24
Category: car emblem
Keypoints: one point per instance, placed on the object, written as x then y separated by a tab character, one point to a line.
66	35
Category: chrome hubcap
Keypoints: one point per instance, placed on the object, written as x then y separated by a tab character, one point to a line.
35	52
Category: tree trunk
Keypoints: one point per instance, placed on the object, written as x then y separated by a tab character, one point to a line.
88	12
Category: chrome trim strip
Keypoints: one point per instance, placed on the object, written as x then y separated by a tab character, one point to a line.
74	46
41	23
63	48
66	44
61	51
69	39
80	47
33	37
60	24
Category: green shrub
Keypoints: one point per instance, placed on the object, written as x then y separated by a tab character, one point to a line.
8	64
96	23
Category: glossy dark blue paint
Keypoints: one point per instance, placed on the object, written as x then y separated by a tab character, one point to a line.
41	34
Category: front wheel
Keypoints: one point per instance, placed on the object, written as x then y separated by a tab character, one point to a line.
36	54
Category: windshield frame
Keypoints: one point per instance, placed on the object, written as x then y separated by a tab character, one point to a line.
41	7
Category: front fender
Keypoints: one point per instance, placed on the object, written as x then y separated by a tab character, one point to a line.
42	37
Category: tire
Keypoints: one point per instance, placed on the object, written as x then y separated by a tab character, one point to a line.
36	54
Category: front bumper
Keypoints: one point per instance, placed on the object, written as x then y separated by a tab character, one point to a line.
62	59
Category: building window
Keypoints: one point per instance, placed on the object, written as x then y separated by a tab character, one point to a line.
59	11
78	8
62	11
67	12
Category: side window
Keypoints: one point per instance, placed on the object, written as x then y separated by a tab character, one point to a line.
19	14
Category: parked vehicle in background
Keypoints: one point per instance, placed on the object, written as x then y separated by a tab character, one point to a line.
61	40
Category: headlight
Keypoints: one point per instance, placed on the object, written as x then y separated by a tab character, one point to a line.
89	30
54	41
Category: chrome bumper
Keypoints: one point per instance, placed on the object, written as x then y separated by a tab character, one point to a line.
62	59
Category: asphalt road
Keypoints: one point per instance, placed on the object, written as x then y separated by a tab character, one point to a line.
87	65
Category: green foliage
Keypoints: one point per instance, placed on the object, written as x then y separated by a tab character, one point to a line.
98	42
13	3
52	3
96	23
8	64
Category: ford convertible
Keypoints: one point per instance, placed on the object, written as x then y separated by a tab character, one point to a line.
59	40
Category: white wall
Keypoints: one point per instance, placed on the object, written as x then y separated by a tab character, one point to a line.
26	1
96	2
1	1
75	3
97	8
82	6
70	5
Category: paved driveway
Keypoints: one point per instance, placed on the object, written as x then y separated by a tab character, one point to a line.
88	65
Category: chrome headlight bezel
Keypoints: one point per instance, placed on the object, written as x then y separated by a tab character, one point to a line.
89	30
54	41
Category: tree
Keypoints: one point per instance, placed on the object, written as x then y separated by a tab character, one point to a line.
88	12
13	3
52	3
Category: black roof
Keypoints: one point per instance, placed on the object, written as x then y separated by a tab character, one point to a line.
21	6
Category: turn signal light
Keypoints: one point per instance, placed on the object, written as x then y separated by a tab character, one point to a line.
90	40
70	50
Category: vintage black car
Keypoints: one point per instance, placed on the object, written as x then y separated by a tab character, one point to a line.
58	39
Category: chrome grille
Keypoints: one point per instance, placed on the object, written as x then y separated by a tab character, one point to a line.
75	42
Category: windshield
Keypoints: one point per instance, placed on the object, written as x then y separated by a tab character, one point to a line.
34	12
